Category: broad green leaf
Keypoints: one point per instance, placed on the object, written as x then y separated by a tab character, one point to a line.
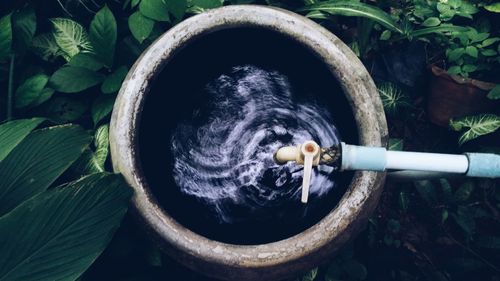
71	37
74	79
395	144
471	51
114	81
207	4
464	191
64	109
432	21
386	35
456	54
455	69
177	8
475	126
13	132
58	234
356	9
37	161
102	34
154	9
5	36
45	46
494	94
489	42
495	7
140	26
488	53
101	108
94	161
28	94
469	68
23	28
86	60
443	28
393	98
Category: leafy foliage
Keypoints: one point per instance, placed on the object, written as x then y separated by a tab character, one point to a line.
475	126
71	37
393	98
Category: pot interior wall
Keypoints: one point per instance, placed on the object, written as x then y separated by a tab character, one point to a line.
177	92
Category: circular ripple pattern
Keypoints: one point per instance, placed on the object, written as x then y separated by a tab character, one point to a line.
223	155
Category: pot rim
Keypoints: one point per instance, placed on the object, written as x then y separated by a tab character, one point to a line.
301	250
440	72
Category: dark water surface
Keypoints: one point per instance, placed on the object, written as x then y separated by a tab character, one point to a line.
214	118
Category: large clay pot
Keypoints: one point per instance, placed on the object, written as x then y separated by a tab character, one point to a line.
453	96
271	261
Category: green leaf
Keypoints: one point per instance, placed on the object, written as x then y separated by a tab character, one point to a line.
471	51
488	53
59	233
35	163
495	7
444	215
102	34
464	191
455	69
356	9
45	46
489	41
23	28
395	144
310	276
441	29
207	4
114	81
386	35
393	98
101	108
432	21
71	37
494	94
5	36
140	26
86	60
469	68
28	94
13	132
73	79
475	126
64	109
94	162
456	54
177	8
154	9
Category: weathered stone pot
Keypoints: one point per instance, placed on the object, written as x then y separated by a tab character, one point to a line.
271	261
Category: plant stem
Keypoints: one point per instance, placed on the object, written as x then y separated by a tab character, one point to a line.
10	90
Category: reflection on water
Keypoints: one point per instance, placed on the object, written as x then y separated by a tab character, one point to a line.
223	153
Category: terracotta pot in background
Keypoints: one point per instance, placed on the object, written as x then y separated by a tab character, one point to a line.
453	96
